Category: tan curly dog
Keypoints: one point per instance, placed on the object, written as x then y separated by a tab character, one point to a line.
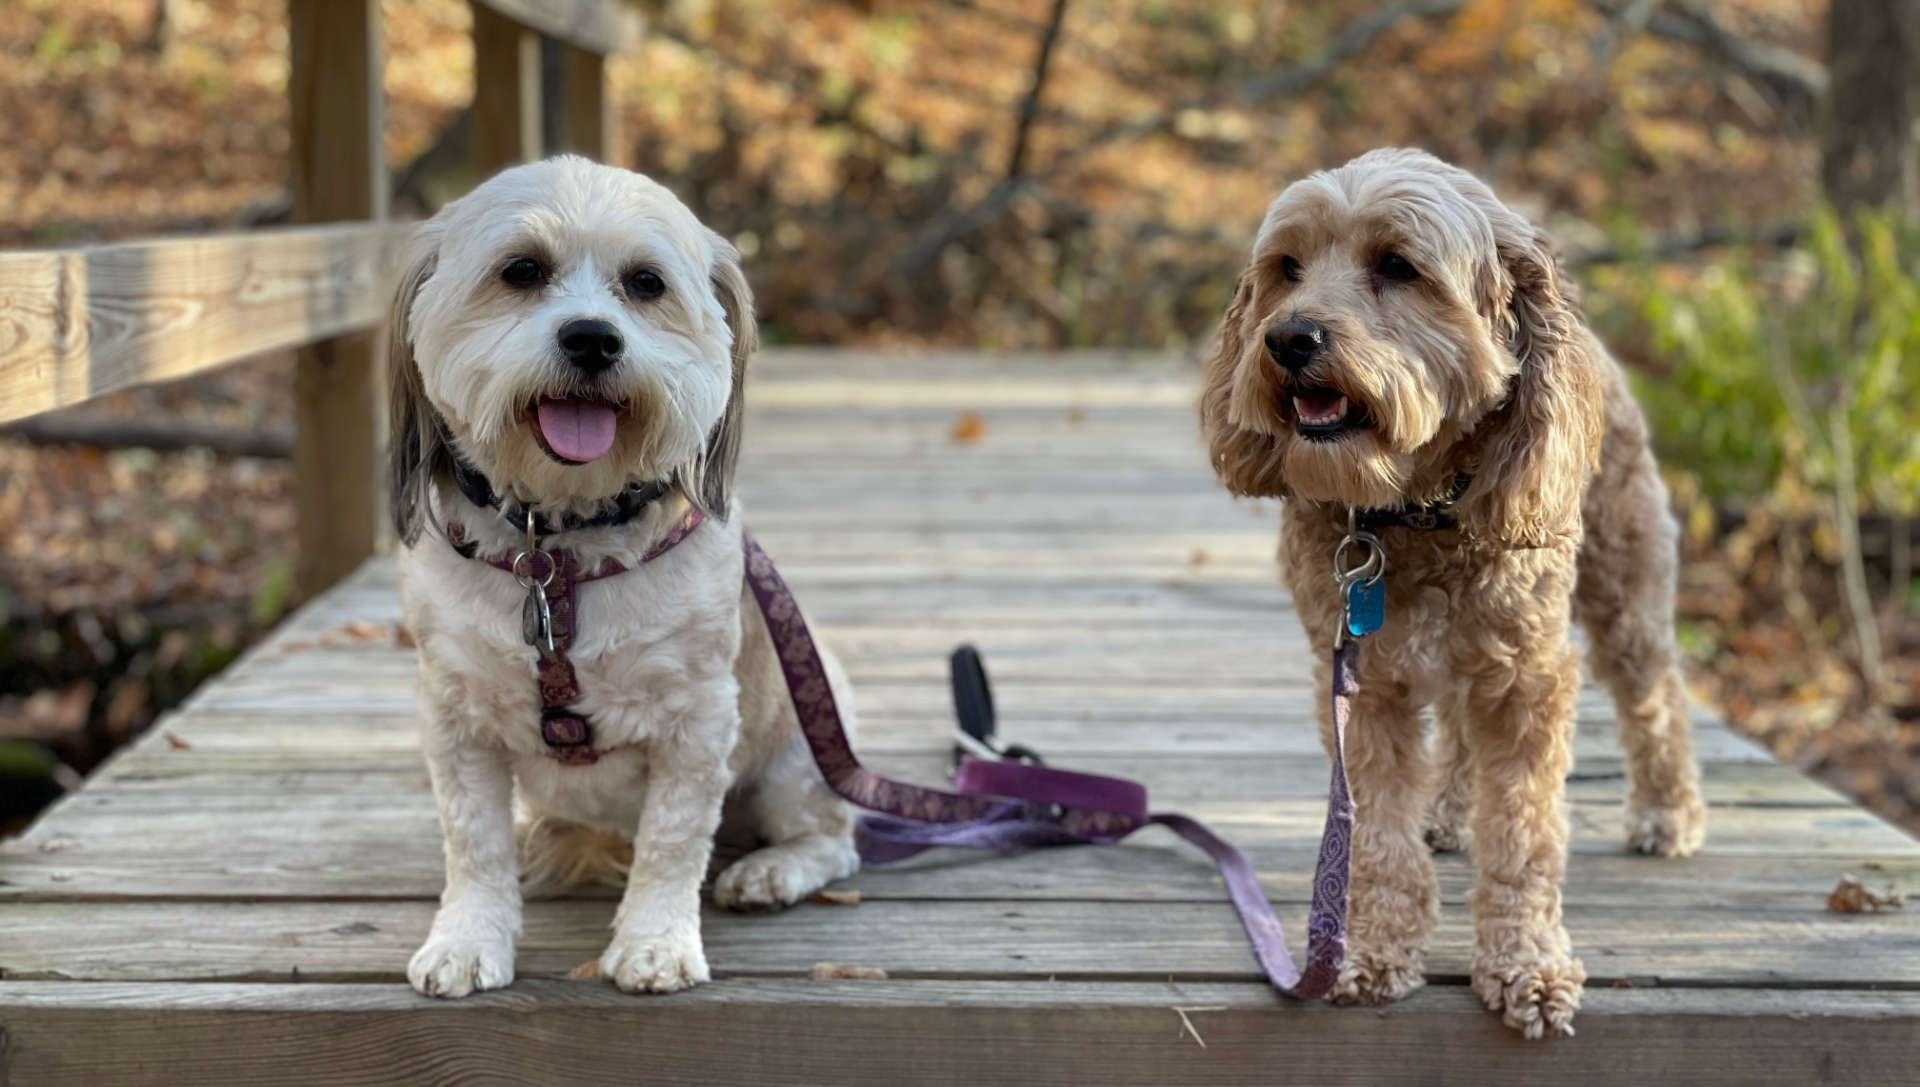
1400	336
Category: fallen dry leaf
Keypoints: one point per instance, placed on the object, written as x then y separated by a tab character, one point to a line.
827	971
586	971
1200	557
1852	896
968	428
402	637
176	742
364	630
835	898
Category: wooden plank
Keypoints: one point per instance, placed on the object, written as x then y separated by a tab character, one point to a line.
601	27
385	843
382	841
366	940
586	121
751	1032
79	323
339	171
506	92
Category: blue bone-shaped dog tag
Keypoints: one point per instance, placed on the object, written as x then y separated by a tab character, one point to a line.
1366	607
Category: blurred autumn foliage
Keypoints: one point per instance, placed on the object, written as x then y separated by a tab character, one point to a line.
992	173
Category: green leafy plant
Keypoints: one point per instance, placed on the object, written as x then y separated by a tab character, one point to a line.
1794	381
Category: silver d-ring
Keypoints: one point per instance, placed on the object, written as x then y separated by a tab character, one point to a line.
528	578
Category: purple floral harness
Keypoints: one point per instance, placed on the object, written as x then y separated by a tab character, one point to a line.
1002	803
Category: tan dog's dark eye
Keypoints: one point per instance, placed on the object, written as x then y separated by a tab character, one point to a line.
523	272
1397	268
645	284
1291	269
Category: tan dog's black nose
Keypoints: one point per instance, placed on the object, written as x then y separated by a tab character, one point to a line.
591	346
1295	342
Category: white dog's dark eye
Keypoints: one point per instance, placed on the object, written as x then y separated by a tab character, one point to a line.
523	272
1397	268
1291	269
645	283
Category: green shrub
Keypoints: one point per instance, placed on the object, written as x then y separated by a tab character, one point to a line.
1791	380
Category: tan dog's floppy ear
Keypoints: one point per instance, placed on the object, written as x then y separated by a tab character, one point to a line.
417	448
1247	461
708	482
1534	454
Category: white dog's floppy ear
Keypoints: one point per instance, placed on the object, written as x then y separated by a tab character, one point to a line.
708	482
417	447
1536	452
1247	462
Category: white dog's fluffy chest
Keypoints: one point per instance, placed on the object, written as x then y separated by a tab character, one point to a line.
653	653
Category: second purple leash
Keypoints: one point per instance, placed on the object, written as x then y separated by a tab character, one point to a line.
1007	805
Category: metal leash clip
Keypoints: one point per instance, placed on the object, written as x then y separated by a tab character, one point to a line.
1363	590
536	616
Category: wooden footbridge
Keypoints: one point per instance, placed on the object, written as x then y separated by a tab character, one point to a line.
234	898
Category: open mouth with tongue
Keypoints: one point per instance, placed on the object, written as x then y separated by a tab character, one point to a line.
575	430
1322	414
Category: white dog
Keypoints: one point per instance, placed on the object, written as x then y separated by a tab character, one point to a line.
569	346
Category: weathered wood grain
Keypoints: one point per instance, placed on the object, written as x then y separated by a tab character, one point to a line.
754	1032
1133	621
506	90
370	940
339	171
586	124
600	27
77	323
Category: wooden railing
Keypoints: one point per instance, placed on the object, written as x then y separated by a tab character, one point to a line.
79	323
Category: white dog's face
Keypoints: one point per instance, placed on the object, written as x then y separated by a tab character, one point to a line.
577	330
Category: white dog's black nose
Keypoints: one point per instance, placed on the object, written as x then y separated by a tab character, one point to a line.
591	346
1295	342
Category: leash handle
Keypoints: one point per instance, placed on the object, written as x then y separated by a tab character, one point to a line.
1006	804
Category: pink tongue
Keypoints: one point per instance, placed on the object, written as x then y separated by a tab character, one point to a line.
579	430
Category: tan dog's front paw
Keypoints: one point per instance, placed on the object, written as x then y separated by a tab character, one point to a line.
1369	978
659	962
1536	997
1667	832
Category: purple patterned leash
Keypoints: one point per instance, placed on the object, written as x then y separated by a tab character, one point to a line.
1009	805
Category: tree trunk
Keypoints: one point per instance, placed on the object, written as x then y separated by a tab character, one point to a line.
1870	150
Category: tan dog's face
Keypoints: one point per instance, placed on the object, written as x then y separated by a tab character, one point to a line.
1397	323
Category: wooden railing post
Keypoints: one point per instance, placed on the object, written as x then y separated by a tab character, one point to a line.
506	92
585	121
339	172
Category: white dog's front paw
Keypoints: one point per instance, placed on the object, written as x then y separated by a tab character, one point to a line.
452	965
781	875
655	962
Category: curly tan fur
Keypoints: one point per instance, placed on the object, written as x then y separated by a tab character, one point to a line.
1479	364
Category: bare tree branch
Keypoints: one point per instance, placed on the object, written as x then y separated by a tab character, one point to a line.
111	433
1029	106
1780	236
1353	38
1795	78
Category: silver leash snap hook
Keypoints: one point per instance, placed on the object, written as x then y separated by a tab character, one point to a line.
1364	575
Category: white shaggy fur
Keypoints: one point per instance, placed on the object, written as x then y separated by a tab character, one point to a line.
677	672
